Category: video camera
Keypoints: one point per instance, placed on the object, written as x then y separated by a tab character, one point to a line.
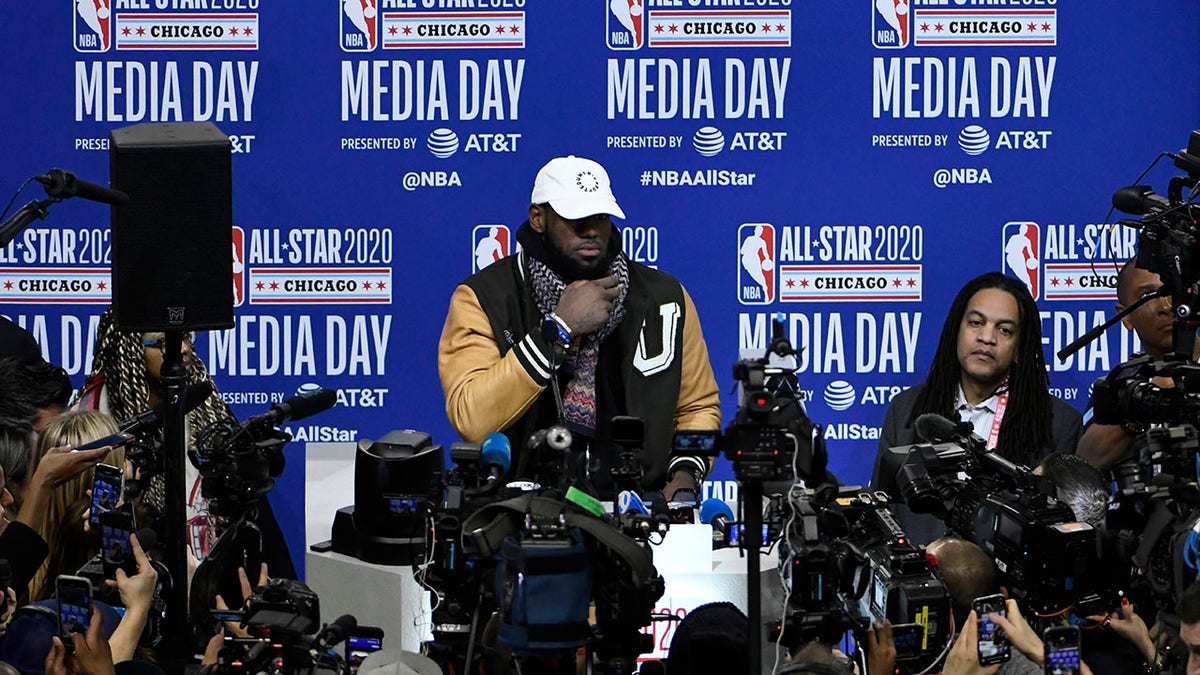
1045	556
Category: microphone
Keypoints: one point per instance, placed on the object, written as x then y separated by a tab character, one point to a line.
297	407
717	513
1138	200
151	419
63	184
629	501
338	631
495	456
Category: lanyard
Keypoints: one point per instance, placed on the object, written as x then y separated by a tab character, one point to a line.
1001	404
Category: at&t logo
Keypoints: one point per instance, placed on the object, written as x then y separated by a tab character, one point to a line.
756	264
625	22
92	21
359	19
839	395
1022	243
489	243
889	24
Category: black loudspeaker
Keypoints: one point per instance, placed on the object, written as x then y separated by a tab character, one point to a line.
172	243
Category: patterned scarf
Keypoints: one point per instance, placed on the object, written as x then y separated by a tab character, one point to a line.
579	399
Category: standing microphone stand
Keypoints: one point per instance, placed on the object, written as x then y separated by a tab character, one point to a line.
174	381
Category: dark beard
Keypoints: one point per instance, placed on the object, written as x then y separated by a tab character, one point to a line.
563	265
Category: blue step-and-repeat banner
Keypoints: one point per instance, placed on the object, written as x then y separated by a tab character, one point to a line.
845	163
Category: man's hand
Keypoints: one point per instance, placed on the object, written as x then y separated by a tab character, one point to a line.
881	649
61	464
680	480
964	656
586	305
92	654
1020	634
138	590
234	628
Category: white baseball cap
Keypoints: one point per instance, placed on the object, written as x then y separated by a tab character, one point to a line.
576	188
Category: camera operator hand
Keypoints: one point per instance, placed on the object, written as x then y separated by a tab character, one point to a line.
1130	626
964	656
586	305
1024	638
137	592
233	627
92	654
881	649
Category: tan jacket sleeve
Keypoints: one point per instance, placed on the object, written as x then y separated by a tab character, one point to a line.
699	407
484	391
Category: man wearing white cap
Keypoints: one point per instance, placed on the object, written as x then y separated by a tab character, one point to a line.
620	339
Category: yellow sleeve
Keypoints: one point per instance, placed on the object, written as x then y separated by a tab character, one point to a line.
699	407
484	391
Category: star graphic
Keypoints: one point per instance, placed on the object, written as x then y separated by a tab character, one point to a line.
896	283
392	30
141	31
500	30
912	283
248	30
407	30
1032	27
779	28
380	285
1054	281
1079	241
1046	27
102	285
674	28
924	28
274	285
804	283
286	246
8	285
233	31
20	246
658	28
258	286
125	31
766	28
1070	281
514	29
367	285
937	27
790	283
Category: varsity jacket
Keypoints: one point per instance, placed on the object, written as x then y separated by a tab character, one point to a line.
495	366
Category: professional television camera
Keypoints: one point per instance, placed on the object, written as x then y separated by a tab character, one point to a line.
1045	557
846	563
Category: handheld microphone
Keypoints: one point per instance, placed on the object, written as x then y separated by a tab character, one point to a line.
151	419
495	456
63	184
629	501
717	513
297	407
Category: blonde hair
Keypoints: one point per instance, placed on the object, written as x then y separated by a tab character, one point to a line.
69	500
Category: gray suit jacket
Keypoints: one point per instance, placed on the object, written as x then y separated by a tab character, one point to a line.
1066	425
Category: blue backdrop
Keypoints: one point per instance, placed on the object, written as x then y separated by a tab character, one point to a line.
848	164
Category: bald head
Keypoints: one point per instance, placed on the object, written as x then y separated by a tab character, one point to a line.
969	573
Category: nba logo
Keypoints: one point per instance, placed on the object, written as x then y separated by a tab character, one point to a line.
889	24
489	243
239	266
756	264
358	25
1022	243
625	24
92	19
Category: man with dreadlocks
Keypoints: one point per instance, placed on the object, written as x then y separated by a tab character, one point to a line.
125	381
989	371
617	337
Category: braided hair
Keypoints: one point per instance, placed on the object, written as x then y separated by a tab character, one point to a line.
1026	427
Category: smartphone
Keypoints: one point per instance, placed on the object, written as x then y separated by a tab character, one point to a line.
1062	650
108	487
74	605
116	440
909	639
116	550
993	643
362	641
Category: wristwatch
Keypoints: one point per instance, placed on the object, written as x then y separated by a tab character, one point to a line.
556	331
